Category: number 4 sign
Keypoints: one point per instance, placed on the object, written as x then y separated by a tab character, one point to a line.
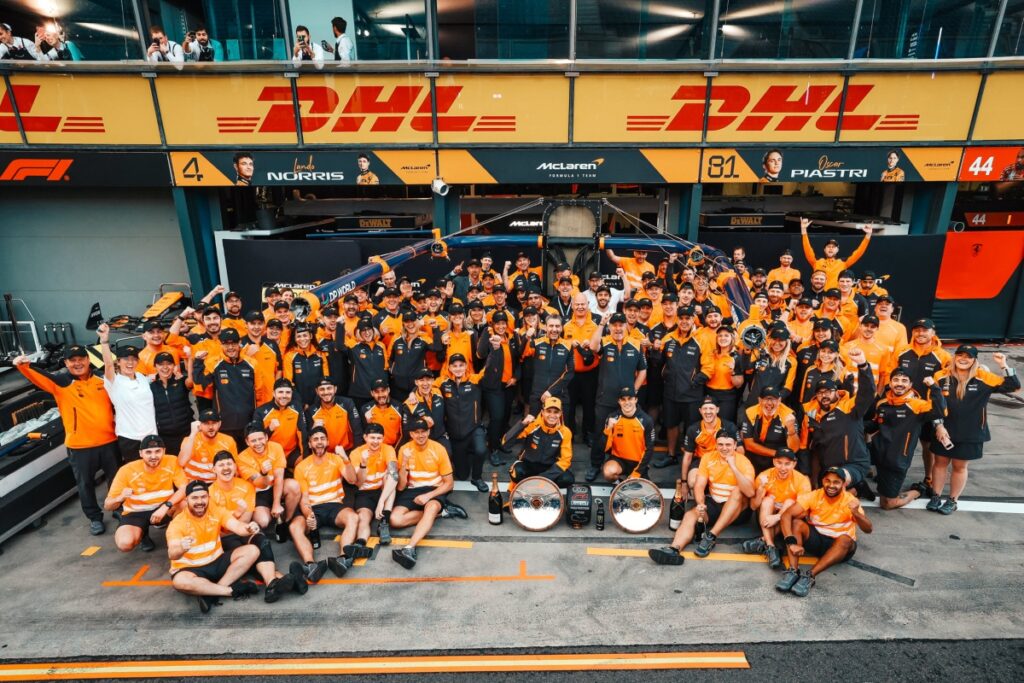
991	163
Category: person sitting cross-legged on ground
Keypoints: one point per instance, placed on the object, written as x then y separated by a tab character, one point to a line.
776	490
725	481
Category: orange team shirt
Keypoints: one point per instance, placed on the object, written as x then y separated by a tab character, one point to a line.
205	533
376	465
150	488
705	441
635	271
336	421
287	432
388	418
146	366
252	464
722	370
575	332
427	465
832	519
85	408
214	353
783	489
721	480
878	356
893	334
783	275
268	365
804	329
833	266
200	464
459	342
321	478
237	500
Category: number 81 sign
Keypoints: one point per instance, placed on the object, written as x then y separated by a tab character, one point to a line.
992	163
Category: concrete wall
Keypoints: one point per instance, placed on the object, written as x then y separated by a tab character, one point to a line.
63	250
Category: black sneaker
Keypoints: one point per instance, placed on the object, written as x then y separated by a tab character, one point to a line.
384	531
949	507
298	574
404	556
451	510
774	561
803	585
339	565
934	504
496	459
864	491
315	571
480	485
273	591
664	461
356	551
592	473
754	546
206	603
666	555
147	544
788	580
243	589
97	527
705	545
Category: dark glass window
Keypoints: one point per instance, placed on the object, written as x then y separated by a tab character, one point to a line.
503	29
670	29
757	29
81	29
926	29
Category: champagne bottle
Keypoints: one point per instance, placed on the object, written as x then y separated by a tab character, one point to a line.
599	516
494	502
314	538
678	507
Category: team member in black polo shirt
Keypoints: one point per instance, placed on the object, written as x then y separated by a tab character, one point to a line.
369	362
171	404
500	352
553	365
233	378
463	408
767	427
622	364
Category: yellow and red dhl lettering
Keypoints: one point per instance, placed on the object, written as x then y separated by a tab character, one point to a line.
780	108
53	170
404	105
25	97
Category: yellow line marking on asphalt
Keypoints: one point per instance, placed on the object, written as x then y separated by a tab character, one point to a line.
721	557
90	551
373	665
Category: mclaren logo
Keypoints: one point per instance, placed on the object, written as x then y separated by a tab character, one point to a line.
562	166
51	170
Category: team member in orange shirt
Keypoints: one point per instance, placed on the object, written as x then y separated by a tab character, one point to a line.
204	442
208	341
263	353
725	383
157	342
831	265
424	477
88	418
777	490
878	354
384	411
376	479
725	480
891	332
199	565
785	272
284	421
700	440
822	523
263	465
630	439
634	267
148	490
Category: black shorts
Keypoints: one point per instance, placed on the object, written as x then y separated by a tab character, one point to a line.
675	414
891	476
232	542
265	498
212	572
326	513
959	451
715	511
818	544
140	519
627	466
367	499
406	498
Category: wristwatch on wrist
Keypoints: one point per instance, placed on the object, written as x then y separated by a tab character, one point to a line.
168	504
1010	372
790	540
938	423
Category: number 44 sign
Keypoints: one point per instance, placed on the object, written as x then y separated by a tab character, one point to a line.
992	163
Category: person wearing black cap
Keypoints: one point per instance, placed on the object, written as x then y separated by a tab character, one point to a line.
368	358
209	342
134	415
892	333
776	490
851	302
552	367
330	340
285	421
843	317
264	355
501	352
827	365
304	365
158	341
833	426
831	264
232	377
202	444
541	446
199	565
233	313
785	272
758	280
622	364
323	502
338	415
776	299
878	354
796	290
801	321
823	524
147	491
767	427
523	275
602	298
425	403
773	365
389	319
263	465
700	440
408	353
896	422
172	406
385	412
869	289
629	439
281	325
686	367
463	408
967	387
271	296
725	482
807	353
924	357
459	338
424	479
562	302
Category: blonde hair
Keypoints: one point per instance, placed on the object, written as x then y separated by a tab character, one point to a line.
961	387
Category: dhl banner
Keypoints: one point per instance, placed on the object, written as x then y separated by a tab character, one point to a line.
82	109
9	133
570	166
992	163
833	164
248	168
84	169
999	111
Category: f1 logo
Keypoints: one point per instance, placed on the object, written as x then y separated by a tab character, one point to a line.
53	170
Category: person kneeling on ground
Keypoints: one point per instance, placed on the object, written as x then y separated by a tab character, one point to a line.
725	481
424	477
777	490
822	523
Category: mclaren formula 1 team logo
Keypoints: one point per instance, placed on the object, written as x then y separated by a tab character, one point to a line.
370	108
779	108
50	170
25	97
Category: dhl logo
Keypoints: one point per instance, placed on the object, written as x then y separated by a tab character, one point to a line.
780	108
53	170
25	97
367	109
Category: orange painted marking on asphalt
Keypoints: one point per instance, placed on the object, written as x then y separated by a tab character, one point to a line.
53	671
90	551
722	557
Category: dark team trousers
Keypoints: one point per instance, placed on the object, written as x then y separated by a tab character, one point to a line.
598	439
85	464
521	470
498	403
468	455
128	449
582	390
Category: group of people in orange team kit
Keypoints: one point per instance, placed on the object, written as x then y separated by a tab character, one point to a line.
237	426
